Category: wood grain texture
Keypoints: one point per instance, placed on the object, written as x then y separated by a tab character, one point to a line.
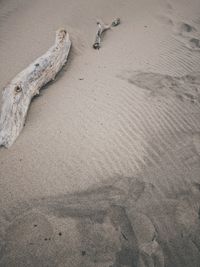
102	27
18	94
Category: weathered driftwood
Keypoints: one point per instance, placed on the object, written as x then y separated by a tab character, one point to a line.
18	93
101	29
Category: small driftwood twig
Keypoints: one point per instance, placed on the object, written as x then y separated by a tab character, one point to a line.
101	29
18	93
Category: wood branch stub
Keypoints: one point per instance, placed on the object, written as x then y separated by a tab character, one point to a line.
18	93
102	27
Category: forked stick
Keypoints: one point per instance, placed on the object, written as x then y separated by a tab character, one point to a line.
102	27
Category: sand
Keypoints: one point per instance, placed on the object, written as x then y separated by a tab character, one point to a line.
106	170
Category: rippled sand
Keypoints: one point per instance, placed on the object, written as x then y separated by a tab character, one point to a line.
106	171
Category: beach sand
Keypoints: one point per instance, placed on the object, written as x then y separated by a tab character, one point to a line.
106	171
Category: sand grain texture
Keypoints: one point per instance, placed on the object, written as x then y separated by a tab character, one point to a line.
114	180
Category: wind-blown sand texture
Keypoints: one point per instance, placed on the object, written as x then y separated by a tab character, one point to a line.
106	171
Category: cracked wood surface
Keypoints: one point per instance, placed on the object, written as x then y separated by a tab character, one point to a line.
18	94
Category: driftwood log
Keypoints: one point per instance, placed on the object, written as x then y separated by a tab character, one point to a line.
102	27
18	93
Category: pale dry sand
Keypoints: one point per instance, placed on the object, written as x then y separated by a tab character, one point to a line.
107	169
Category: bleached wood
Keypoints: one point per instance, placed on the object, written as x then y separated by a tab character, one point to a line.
102	27
18	93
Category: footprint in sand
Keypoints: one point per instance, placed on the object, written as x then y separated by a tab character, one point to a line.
185	29
123	223
166	20
89	228
188	35
184	32
194	43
